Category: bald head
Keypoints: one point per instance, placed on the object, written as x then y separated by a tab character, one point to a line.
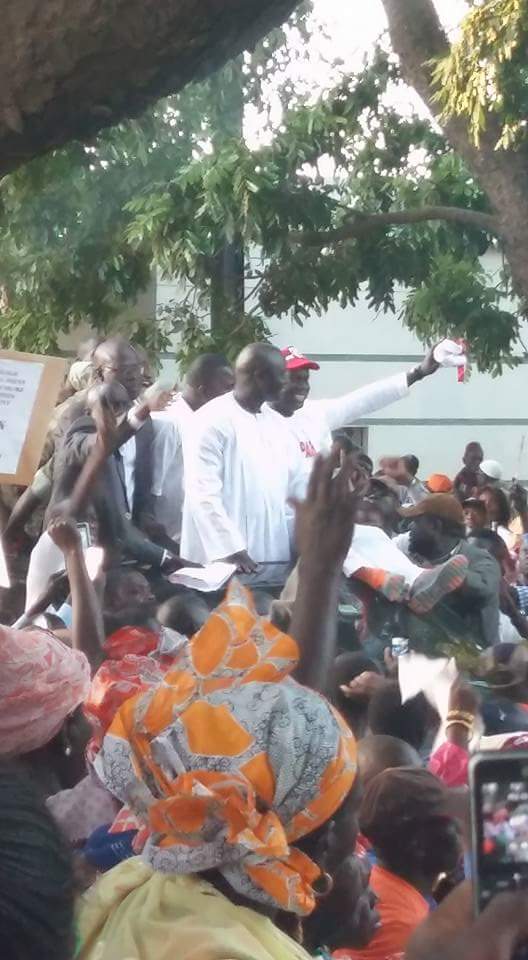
473	455
378	753
116	359
260	374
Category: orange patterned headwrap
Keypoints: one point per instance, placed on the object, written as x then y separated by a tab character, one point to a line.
229	761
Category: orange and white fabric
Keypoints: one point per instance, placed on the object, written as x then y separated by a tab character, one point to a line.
137	659
229	761
42	681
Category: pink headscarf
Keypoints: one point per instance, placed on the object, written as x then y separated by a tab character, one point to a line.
42	681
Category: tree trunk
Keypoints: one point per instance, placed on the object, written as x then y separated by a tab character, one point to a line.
418	38
227	284
68	68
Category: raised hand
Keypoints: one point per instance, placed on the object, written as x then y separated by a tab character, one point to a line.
324	521
452	933
324	529
519	499
65	535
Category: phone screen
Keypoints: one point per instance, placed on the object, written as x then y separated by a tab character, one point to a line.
85	535
500	805
399	646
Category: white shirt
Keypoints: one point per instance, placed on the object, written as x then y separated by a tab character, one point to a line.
170	426
371	547
312	425
414	493
240	470
128	453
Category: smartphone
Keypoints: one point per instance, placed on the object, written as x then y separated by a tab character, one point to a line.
399	646
85	535
499	811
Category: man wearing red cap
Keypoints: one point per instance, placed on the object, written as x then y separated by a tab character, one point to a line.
311	423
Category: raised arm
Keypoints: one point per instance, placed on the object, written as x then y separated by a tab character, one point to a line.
87	627
519	502
324	529
347	409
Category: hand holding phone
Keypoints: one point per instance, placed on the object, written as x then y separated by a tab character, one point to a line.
499	803
452	933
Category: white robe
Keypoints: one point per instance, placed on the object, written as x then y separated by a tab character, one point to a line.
240	469
312	425
170	426
371	547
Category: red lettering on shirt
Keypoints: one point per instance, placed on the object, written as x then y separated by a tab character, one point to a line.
308	448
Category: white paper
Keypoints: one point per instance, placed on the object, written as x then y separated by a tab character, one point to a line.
206	579
448	353
433	678
93	558
19	383
4	573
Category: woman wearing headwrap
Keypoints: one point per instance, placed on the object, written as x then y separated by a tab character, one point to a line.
405	815
43	682
227	764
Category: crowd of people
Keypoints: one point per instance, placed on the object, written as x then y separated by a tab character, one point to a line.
235	773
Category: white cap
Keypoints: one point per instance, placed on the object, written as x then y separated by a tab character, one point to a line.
491	469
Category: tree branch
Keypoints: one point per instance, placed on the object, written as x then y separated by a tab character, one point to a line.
361	225
68	70
418	38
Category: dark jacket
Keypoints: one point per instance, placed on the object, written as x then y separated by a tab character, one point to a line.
481	589
108	506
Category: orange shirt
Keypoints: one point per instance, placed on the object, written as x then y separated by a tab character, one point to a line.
401	909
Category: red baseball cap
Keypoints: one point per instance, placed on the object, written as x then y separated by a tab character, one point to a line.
296	361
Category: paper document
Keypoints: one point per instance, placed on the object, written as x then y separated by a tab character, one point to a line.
206	579
434	678
4	573
29	386
19	383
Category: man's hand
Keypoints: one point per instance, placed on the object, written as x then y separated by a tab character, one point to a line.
174	563
243	561
65	535
366	685
154	399
451	933
519	499
424	369
324	522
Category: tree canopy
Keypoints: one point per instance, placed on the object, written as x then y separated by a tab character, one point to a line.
486	71
346	193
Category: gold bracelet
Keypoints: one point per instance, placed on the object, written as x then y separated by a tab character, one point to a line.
461	715
460	723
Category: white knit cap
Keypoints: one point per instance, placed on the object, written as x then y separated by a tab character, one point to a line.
492	469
